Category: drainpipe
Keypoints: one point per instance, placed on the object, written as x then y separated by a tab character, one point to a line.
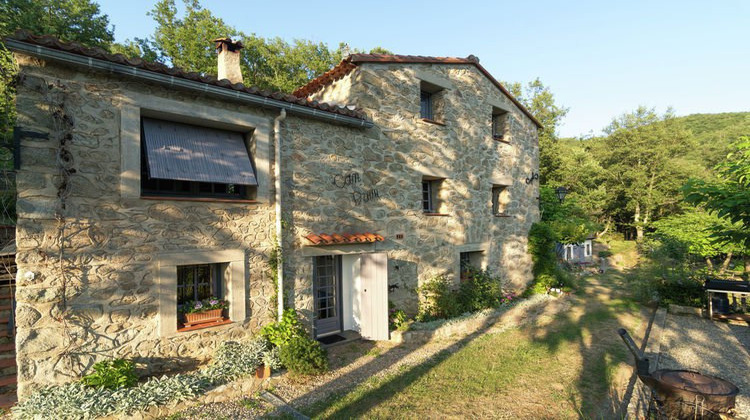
277	201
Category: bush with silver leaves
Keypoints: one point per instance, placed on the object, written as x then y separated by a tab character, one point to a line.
78	401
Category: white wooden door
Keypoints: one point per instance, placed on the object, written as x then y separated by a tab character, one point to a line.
374	296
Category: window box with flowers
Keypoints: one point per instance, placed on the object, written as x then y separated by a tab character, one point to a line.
204	312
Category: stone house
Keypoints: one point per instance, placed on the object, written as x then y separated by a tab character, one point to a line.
141	187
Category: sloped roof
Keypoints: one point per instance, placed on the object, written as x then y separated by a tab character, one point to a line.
98	53
350	63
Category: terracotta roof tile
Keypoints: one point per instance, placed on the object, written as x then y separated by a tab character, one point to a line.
350	63
98	53
345	238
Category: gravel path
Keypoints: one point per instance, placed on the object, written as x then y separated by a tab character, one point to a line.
712	348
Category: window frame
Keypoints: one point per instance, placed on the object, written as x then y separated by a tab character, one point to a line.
166	188
499	122
426	110
497	199
234	283
428	196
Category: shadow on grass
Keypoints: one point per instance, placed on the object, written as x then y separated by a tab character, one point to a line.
591	329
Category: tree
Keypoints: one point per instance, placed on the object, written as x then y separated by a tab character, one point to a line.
69	20
691	232
729	197
540	101
643	158
271	64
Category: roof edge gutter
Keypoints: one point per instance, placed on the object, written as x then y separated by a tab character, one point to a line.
171	81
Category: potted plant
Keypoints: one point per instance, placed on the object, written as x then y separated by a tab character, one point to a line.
204	311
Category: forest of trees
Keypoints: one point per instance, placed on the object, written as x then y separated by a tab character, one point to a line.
651	176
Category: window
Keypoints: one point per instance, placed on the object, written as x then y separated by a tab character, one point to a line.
198	274
469	261
431	102
499	123
431	194
500	199
588	249
428	201
198	282
425	105
183	160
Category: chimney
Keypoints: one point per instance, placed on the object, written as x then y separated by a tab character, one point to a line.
229	59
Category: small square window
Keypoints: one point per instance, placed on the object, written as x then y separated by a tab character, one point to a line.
431	194
500	199
195	283
499	123
468	262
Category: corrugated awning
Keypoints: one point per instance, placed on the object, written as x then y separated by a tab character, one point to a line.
191	153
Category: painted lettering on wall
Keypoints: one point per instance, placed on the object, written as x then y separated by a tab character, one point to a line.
353	180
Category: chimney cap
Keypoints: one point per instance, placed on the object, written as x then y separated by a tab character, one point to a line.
226	43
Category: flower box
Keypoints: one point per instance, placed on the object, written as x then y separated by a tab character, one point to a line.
196	318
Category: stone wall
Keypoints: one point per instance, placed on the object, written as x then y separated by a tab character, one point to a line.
98	297
394	156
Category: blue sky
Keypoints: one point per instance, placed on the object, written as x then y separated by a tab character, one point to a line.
600	58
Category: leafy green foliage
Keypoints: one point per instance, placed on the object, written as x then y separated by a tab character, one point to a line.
540	101
547	273
304	356
438	300
729	197
271	64
69	20
282	332
112	374
396	317
692	233
77	400
479	290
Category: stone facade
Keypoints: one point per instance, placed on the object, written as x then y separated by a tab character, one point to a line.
99	298
393	158
106	291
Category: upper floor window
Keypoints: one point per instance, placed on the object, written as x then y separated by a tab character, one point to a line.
500	199
499	124
431	102
428	196
425	105
184	160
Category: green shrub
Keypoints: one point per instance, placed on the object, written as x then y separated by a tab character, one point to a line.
438	300
547	272
305	356
396	317
686	292
605	254
280	333
480	290
112	374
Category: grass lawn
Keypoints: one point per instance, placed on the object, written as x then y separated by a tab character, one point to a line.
570	366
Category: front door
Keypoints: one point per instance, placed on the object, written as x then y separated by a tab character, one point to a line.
327	294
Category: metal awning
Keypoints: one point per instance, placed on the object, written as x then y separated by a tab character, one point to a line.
191	153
